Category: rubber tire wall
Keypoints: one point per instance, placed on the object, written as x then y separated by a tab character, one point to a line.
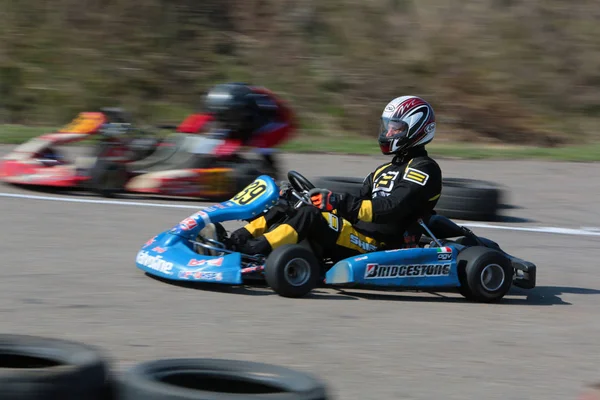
467	199
217	379
36	368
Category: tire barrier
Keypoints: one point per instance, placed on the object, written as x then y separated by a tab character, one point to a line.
466	199
38	368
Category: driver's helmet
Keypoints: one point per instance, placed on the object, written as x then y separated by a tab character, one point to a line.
406	122
233	107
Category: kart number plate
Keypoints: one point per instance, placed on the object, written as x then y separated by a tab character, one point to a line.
88	122
252	192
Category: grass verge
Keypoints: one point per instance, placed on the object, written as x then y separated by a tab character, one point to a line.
16	134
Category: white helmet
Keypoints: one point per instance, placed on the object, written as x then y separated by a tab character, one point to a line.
407	121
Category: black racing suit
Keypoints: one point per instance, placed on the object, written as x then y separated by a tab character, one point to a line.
383	216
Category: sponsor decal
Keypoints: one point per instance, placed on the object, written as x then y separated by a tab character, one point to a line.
355	240
188	223
159	249
209	276
154	262
444	253
376	271
221	206
200	214
361	258
256	268
150	241
416	176
215	262
430	128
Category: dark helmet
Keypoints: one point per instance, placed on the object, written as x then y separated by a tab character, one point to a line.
406	122
233	106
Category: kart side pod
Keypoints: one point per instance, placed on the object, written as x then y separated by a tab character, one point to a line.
413	267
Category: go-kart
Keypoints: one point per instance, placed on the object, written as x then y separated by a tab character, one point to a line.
195	250
41	162
192	162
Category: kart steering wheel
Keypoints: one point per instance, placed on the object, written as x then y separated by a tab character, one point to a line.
299	182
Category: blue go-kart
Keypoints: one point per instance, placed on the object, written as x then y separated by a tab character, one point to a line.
194	250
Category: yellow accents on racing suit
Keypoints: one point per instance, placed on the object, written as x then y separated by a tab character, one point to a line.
283	234
257	227
365	212
437	196
378	170
350	238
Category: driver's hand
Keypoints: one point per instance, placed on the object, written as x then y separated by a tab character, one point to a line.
323	199
284	188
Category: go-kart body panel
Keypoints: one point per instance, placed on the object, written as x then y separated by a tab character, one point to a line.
38	162
200	182
170	254
412	267
171	257
168	178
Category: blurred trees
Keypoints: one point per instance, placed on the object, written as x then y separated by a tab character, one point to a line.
504	70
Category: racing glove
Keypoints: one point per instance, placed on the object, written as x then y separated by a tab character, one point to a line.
324	199
284	188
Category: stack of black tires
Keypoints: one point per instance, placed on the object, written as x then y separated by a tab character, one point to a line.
38	368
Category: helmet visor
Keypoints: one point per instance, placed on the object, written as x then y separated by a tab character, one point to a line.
230	119
392	129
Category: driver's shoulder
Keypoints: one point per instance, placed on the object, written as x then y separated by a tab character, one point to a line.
425	163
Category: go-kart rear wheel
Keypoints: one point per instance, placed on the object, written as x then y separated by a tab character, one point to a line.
107	178
485	274
292	270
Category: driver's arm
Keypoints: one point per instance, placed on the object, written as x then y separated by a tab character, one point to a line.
406	195
365	190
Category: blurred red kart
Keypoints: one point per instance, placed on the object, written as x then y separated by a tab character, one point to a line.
192	162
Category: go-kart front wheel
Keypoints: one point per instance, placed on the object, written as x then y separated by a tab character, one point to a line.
485	274
292	270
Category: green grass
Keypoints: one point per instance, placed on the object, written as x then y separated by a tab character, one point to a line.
309	143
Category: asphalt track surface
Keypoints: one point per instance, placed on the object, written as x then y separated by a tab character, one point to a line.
68	271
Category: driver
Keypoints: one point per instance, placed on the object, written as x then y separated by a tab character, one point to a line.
252	115
384	215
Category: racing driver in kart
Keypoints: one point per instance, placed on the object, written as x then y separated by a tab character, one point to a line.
383	216
252	116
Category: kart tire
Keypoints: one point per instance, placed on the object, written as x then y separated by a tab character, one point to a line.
107	178
215	379
469	199
278	276
473	264
37	368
